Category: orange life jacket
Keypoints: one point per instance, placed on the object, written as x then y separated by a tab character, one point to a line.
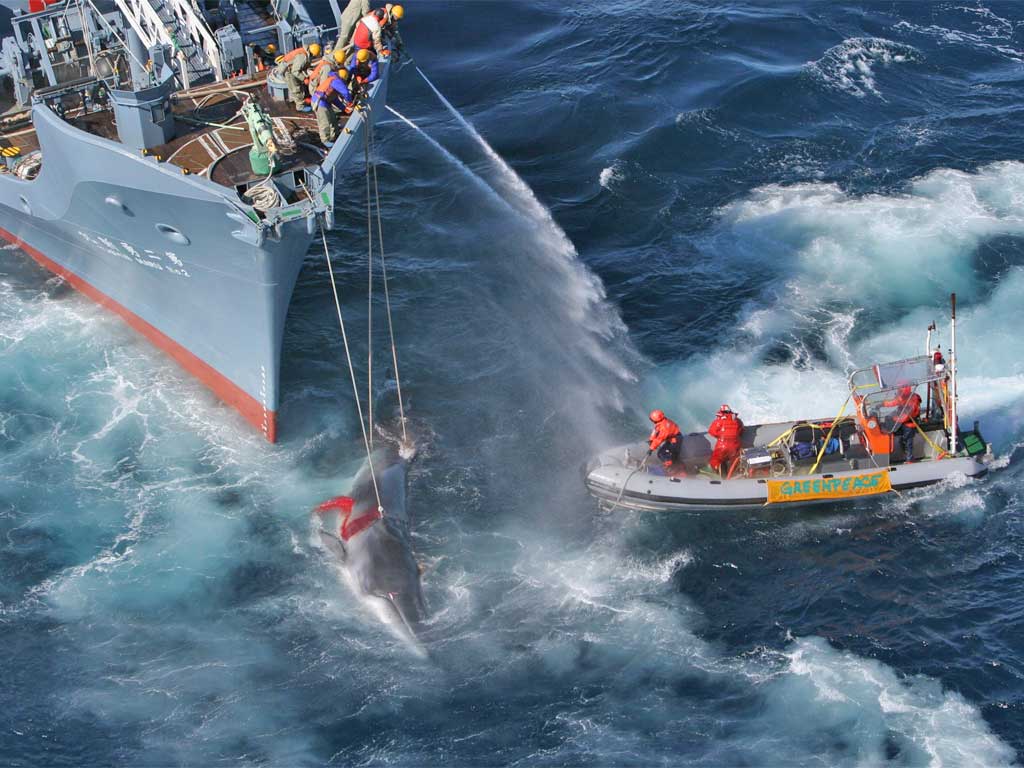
909	407
664	430
727	427
294	54
318	71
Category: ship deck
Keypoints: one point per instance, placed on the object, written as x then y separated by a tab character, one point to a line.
211	136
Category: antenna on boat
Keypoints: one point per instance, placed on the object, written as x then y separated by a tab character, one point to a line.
952	378
928	353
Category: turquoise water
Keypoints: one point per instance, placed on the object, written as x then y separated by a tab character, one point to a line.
737	204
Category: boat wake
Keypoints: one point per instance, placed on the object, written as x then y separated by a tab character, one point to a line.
854	278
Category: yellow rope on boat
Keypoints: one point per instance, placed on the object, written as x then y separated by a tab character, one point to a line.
828	437
781	437
793	429
941	452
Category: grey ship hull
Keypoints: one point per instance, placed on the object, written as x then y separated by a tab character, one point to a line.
182	260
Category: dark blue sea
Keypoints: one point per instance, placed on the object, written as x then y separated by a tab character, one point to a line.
720	202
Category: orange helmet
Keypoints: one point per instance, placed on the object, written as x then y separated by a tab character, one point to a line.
657	416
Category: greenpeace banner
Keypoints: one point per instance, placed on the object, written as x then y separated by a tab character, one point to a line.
828	487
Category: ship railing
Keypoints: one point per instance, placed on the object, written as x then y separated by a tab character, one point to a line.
145	21
190	23
152	29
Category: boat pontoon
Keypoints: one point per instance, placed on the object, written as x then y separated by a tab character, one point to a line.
813	461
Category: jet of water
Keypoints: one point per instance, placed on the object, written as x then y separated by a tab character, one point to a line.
465	169
522	196
581	330
590	304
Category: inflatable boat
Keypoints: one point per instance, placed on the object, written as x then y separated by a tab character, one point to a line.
814	461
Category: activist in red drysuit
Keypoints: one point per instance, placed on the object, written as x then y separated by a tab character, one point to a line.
665	438
908	407
728	428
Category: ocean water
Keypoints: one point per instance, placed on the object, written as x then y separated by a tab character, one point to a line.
702	203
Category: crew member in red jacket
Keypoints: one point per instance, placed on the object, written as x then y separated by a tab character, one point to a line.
908	407
379	30
665	438
728	428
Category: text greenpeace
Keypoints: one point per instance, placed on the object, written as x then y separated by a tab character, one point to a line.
828	487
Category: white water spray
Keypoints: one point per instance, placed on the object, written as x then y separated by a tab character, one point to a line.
465	169
520	192
588	300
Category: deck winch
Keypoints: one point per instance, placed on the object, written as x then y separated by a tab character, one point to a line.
264	153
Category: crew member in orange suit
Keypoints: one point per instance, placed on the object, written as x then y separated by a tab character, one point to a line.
728	429
908	407
665	438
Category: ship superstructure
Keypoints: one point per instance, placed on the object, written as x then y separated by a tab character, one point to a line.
130	139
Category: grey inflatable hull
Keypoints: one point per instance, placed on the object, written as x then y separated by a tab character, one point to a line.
620	476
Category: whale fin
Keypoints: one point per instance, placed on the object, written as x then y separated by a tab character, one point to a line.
333	543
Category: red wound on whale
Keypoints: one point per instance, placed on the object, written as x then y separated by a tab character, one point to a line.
348	530
341	503
345	505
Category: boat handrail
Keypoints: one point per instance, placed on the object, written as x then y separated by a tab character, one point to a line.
877	384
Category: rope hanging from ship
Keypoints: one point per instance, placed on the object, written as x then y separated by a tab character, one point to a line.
387	303
369	275
373	206
351	369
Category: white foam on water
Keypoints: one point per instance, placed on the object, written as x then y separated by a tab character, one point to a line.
863	709
602	613
834	256
659	571
989	23
629	179
850	66
991	32
609	176
896	249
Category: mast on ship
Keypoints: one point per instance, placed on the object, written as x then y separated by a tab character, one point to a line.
952	378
